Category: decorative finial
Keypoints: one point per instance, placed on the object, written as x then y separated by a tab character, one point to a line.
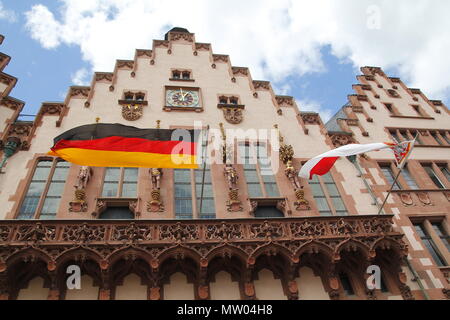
280	137
158	122
97	120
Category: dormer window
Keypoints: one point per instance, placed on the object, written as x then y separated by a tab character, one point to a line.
223	100
229	100
140	96
186	75
176	75
181	75
133	98
129	96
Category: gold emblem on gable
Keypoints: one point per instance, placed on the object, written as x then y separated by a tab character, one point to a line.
132	112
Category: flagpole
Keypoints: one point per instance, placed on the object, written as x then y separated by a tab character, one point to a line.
204	170
402	164
390	191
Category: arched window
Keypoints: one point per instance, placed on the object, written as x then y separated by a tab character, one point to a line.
45	190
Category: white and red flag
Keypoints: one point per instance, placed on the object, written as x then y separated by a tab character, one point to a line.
402	151
323	163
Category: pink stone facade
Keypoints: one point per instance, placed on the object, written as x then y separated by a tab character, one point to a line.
304	255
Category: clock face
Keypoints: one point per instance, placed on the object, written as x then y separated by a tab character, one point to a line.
182	98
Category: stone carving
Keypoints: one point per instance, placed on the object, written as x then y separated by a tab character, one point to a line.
79	92
424	198
292	174
132	112
231	175
51	108
263	85
340	140
203	46
311	118
80	204
220	58
84	233
233	115
286	153
84	175
301	203
175	36
406	199
132	233
266	230
224	232
155	204
242	71
124	64
406	293
156	174
284	101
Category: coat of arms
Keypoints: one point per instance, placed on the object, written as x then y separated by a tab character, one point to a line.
132	112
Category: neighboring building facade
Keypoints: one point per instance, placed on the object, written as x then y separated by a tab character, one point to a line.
261	233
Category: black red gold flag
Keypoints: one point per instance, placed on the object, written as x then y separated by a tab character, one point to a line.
117	145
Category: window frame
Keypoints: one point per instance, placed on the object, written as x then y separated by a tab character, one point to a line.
38	211
425	223
328	197
120	183
253	145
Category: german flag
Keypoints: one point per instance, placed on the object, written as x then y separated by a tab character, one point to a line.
116	145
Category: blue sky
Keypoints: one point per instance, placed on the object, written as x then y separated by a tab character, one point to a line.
310	51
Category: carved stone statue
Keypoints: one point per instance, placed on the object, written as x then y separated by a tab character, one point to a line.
292	175
156	174
83	178
231	175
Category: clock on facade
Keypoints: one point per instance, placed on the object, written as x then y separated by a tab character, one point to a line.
183	99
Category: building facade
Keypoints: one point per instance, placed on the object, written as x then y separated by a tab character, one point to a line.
246	230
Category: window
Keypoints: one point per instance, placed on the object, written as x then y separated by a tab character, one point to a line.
268	212
440	231
419	110
133	96
45	190
445	137
227	100
120	183
445	171
404	135
327	196
117	213
395	136
258	173
436	137
181	75
409	179
429	244
183	193
389	175
186	75
207	210
390	108
429	169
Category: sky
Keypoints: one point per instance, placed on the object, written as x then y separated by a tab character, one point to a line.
311	50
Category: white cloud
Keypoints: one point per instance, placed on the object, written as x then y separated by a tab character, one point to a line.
314	106
81	77
275	39
8	15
